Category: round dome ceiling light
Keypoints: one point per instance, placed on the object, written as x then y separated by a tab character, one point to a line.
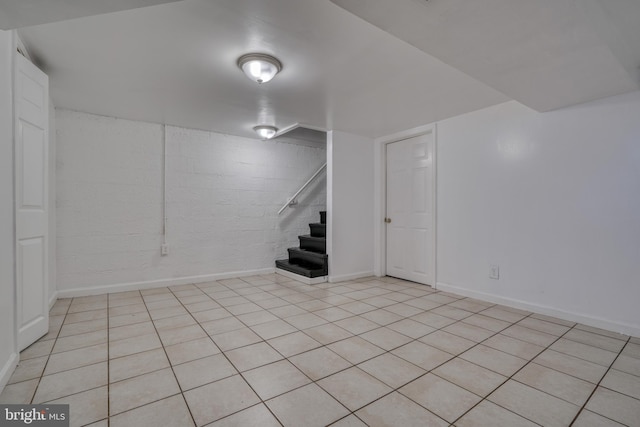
259	67
265	131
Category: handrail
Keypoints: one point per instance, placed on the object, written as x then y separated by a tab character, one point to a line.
292	200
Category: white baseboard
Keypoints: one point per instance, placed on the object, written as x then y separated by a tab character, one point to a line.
596	322
53	299
161	283
7	369
351	276
303	279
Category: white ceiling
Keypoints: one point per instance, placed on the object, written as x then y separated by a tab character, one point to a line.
175	63
24	13
547	54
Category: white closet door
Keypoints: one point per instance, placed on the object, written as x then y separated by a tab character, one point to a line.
410	231
31	170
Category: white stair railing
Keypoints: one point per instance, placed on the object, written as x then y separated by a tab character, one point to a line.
292	200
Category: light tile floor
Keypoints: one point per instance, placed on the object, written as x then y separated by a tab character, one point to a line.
270	351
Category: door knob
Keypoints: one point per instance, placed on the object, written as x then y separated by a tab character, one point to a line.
387	220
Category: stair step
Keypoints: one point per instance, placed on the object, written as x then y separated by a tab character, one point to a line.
285	264
313	244
323	217
307	259
318	229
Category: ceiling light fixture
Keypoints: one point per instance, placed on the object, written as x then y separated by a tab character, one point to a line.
265	131
259	67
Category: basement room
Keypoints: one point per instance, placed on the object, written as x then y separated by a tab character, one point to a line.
320	212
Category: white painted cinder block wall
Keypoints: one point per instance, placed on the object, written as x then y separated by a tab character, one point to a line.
554	200
223	195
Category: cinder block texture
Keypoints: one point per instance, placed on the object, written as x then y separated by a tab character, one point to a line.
223	195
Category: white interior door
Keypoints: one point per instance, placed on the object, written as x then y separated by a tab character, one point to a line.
31	105
410	209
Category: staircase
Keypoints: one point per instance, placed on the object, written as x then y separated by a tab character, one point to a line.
310	259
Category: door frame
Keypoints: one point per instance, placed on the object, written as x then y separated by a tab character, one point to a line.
380	197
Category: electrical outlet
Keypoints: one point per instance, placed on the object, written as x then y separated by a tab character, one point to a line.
494	272
164	249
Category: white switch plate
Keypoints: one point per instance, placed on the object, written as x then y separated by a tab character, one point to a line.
494	272
164	249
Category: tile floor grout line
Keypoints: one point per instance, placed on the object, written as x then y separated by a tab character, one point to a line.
141	406
593	330
287	359
234	367
396	389
393	389
482	398
262	401
109	362
542	391
589	345
244	409
66	370
580	358
565	373
559	351
508	377
229	361
584	405
175	377
35	390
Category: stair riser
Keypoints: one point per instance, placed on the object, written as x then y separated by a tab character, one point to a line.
318	230
301	270
309	259
314	245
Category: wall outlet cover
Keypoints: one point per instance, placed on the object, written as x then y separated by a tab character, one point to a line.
494	272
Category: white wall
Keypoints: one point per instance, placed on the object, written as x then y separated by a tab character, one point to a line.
554	200
223	195
350	203
8	349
